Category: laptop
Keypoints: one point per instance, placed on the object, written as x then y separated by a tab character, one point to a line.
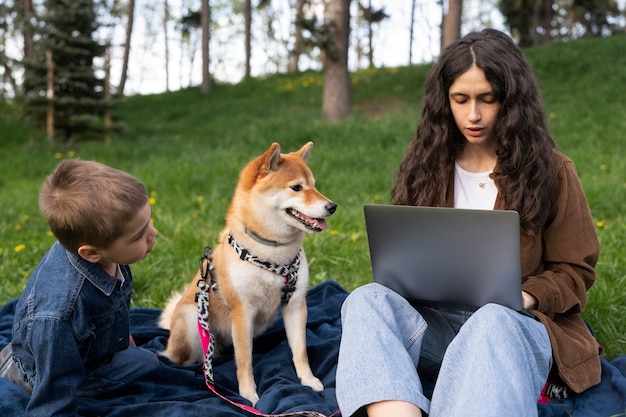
446	257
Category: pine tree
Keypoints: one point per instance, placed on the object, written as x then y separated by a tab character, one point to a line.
66	29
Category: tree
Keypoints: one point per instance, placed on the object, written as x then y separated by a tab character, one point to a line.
130	18
593	16
66	32
27	28
15	23
371	16
411	26
166	19
190	25
7	71
294	55
451	23
522	17
205	21
539	21
337	99
247	17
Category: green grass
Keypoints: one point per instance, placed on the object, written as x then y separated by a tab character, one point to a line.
188	149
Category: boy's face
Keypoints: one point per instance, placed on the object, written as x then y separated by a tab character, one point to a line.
135	244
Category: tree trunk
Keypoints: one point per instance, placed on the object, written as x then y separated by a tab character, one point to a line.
166	18
205	21
50	96
451	24
548	15
411	32
337	100
108	118
28	30
130	15
247	16
370	36
294	57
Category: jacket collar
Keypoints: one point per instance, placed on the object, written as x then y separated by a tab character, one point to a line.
93	273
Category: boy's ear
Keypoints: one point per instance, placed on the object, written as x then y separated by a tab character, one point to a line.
90	253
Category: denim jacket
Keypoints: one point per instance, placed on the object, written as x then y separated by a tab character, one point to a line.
70	320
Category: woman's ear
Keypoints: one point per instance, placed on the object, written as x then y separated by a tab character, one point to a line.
90	253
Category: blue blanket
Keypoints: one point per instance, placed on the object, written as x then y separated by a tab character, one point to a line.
173	391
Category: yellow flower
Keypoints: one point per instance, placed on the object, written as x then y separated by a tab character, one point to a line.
152	201
58	155
354	237
200	199
25	217
49	233
334	232
71	154
20	247
603	167
600	224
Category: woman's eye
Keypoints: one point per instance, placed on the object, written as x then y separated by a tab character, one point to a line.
296	187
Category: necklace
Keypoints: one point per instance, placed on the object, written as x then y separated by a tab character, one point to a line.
480	178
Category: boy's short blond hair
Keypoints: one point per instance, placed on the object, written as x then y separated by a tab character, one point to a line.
88	203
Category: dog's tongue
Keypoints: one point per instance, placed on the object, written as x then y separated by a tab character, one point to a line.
313	223
321	223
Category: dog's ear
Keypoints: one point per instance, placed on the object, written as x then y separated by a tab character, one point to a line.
272	157
305	152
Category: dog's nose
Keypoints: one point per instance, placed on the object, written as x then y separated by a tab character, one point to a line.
331	207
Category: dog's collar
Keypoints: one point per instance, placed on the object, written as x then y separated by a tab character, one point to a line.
264	241
289	272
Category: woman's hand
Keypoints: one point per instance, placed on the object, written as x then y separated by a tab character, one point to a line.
529	302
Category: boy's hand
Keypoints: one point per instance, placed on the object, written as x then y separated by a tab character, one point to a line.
131	340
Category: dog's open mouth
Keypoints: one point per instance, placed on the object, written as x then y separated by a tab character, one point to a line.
315	225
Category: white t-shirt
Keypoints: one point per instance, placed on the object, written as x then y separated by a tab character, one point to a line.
473	190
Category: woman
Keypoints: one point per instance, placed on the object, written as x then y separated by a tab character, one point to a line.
481	143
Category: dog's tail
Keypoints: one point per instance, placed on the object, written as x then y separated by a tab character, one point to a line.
166	316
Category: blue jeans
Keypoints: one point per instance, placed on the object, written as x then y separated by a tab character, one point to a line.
493	362
126	366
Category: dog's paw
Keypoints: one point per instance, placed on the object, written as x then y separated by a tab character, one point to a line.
249	394
313	382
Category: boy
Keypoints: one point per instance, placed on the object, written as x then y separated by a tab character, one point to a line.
71	334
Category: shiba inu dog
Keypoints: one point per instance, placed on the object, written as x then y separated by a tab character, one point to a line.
274	204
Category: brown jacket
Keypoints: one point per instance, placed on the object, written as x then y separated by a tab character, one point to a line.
558	269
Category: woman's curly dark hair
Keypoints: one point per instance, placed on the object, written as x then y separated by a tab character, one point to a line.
524	173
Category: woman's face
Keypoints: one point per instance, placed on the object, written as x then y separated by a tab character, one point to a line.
474	107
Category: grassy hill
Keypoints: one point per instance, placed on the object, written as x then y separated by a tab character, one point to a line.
188	149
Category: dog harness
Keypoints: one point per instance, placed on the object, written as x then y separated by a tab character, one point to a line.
289	272
205	284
